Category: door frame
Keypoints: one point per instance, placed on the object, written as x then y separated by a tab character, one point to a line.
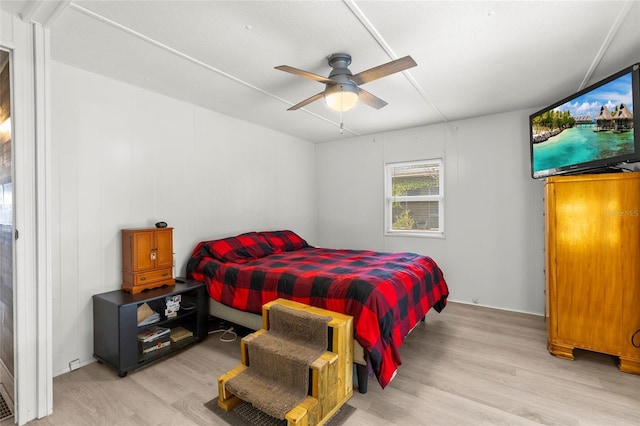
28	44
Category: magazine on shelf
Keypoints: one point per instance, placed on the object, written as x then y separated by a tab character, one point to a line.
157	346
152	333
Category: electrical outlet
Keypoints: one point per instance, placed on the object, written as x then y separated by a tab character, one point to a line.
74	365
475	300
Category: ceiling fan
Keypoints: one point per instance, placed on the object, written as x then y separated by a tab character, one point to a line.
342	89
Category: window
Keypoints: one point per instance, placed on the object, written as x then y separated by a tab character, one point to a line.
414	198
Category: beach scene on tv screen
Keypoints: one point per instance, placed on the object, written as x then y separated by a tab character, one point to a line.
594	126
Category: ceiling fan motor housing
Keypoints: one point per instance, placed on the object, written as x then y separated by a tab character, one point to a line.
340	72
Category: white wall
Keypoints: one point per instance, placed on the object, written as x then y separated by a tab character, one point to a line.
494	227
125	157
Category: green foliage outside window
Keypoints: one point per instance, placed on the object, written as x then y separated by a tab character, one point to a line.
411	184
419	185
414	196
404	220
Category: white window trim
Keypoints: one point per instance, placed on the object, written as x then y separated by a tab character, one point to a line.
389	199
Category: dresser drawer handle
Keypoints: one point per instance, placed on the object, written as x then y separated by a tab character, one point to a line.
143	278
165	274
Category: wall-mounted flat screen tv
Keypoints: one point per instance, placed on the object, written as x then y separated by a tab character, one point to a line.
591	131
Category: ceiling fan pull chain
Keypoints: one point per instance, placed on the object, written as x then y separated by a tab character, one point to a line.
341	123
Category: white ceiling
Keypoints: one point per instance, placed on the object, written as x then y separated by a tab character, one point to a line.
474	57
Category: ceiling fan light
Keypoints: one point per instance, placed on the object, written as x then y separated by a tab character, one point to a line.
341	97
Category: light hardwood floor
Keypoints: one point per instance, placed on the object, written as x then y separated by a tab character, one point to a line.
466	366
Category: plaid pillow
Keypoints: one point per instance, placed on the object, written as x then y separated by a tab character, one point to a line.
284	240
239	249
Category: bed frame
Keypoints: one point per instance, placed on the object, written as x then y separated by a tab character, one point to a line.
254	322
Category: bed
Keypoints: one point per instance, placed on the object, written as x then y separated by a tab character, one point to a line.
387	294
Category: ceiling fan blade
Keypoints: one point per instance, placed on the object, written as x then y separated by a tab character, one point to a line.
369	99
383	70
305	74
307	101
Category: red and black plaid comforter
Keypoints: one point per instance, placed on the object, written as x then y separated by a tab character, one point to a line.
386	293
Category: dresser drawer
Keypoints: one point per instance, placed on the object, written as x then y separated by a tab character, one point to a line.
142	278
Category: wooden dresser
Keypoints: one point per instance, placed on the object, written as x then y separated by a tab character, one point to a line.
147	258
592	225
